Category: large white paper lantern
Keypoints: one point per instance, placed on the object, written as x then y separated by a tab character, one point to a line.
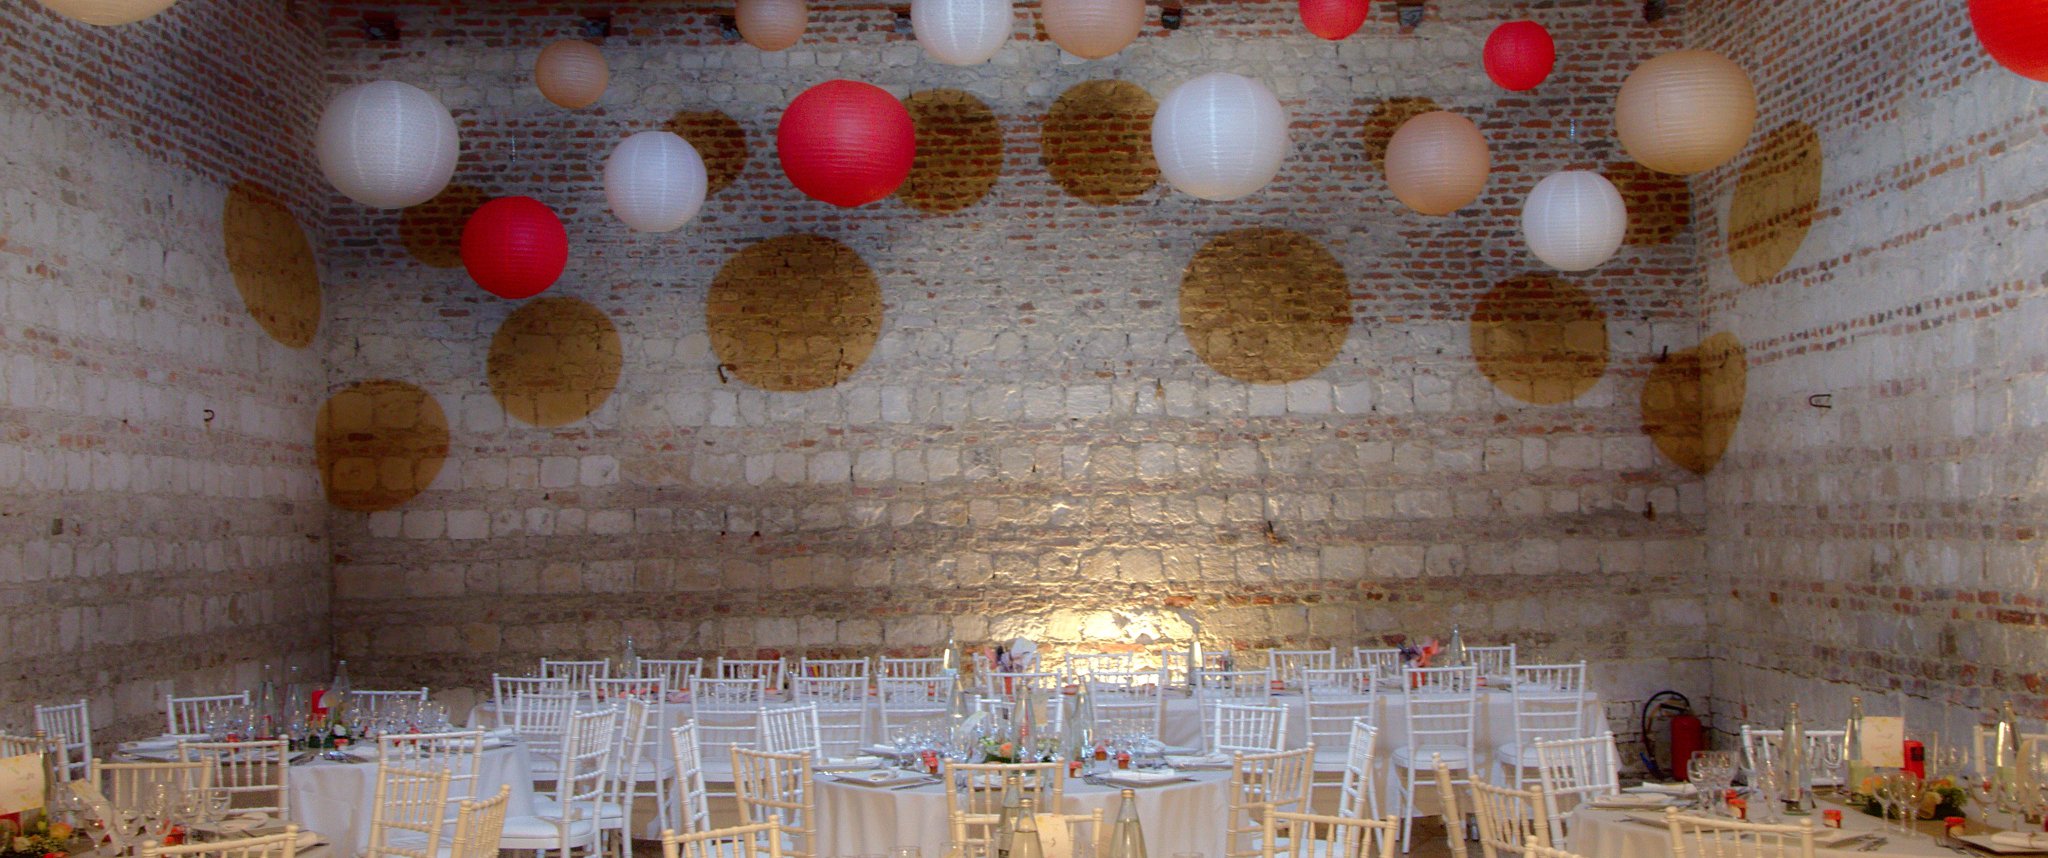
1220	136
1092	29
1574	220
961	32
654	181
1685	112
771	25
107	13
387	144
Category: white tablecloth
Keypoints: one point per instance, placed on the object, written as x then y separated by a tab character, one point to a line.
862	820
1612	834
335	799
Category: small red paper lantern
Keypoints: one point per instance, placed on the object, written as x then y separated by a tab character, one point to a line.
1520	55
845	142
514	247
2015	33
1334	19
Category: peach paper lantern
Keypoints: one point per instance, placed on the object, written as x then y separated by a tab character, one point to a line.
571	73
107	13
771	25
1437	162
1092	29
1685	112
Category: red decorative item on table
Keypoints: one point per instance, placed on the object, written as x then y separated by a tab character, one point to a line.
1520	55
1334	19
1915	755
846	143
2015	33
514	247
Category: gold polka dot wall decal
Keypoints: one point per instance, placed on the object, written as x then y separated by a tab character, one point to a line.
1265	306
959	151
1659	204
719	140
272	264
1097	141
1692	401
1774	202
432	230
378	444
1540	339
1386	118
554	361
795	312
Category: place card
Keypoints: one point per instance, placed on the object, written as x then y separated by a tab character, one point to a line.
1884	742
21	783
1055	836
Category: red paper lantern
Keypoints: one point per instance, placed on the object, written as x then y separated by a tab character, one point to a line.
2015	33
514	247
1334	19
845	142
1520	55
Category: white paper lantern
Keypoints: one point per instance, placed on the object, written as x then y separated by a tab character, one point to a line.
387	144
107	13
961	32
1220	136
1574	220
654	181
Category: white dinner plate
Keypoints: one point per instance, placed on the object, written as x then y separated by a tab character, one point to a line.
1989	843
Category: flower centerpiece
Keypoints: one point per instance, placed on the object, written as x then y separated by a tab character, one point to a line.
1939	799
1000	749
40	838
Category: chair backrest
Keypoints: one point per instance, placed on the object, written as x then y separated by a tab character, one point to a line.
1335	698
1573	771
1010	686
14	745
1384	661
691	798
188	716
1236	685
763	840
771	671
1824	748
577	673
479	824
842	704
127	786
251	776
906	699
70	724
1173	665
540	719
1358	794
504	688
911	668
835	668
976	800
1287	664
728	713
1250	728
585	779
1443	709
1308	835
652	689
1452	810
1082	665
1509	819
283	844
410	810
676	672
791	730
631	737
370	706
1263	783
459	753
1123	707
1492	661
1535	851
1705	836
1550	703
778	787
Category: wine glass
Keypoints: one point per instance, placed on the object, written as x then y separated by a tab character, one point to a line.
1910	790
1699	773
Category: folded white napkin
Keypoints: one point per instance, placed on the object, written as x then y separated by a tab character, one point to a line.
307	839
1145	777
1192	761
1665	789
1630	800
2021	839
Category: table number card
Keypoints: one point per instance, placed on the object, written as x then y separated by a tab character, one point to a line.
21	783
1055	836
1884	742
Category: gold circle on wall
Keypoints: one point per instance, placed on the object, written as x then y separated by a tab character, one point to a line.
379	443
432	230
1774	202
1692	401
794	312
272	264
1540	339
1386	118
959	151
1097	141
719	140
554	361
1659	204
1265	306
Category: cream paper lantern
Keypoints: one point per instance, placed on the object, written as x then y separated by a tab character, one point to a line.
1220	136
571	73
961	32
1092	29
1685	112
1574	220
387	144
1437	162
771	25
655	181
107	13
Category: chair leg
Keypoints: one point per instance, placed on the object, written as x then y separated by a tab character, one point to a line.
1407	806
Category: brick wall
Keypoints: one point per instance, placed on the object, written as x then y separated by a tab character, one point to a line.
160	524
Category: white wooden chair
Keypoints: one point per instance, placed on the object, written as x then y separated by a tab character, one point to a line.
1358	794
1261	784
1010	686
409	813
1081	666
903	700
739	841
540	721
1336	698
1575	771
16	745
1493	662
1509	820
642	766
127	786
1710	836
617	689
1287	664
1173	665
676	673
1442	712
1452	809
771	671
1385	662
778	787
1251	687
1309	835
371	705
252	776
459	753
1084	831
283	844
479	825
910	668
1237	727
577	673
1048	713
70	724
572	819
630	734
504	688
1550	706
728	715
791	730
692	801
187	716
1125	706
976	804
842	704
832	668
1823	746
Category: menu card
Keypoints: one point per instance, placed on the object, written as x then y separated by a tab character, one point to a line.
21	783
1884	741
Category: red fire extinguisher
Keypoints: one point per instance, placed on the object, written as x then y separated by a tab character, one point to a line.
1687	736
1683	735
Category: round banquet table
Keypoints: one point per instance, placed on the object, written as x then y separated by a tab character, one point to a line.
1630	834
1185	816
335	799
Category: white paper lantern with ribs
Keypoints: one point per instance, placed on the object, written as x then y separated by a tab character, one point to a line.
962	32
1220	136
1574	220
387	144
654	181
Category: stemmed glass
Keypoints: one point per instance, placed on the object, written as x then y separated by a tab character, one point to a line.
1910	790
1698	772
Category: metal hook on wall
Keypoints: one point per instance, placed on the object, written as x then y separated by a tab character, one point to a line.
1821	400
